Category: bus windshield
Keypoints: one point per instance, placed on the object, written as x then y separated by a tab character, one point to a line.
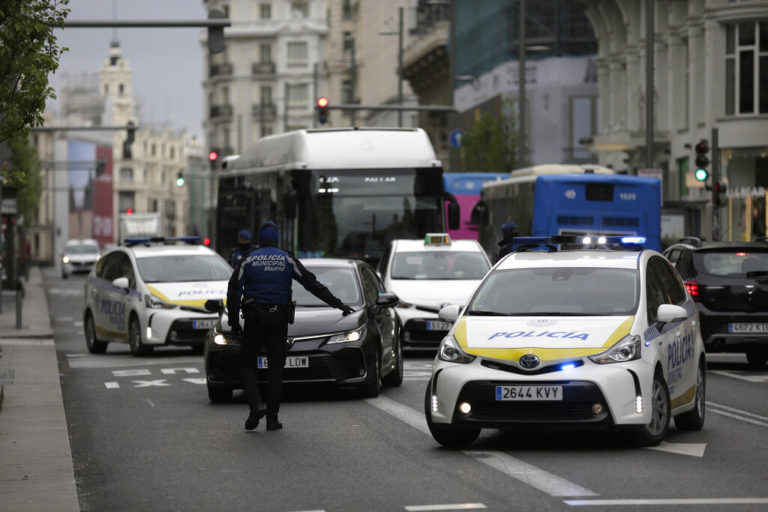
355	213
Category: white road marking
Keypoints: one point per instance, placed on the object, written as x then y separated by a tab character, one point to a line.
526	473
78	324
199	380
150	402
456	506
20	342
112	385
749	378
665	502
148	383
64	318
692	449
738	414
66	292
131	373
125	361
172	371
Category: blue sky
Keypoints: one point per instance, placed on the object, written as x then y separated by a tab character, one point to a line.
167	62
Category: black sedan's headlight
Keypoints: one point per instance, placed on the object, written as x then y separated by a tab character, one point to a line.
224	339
354	335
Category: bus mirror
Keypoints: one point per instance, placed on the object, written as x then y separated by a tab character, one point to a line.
289	202
453	216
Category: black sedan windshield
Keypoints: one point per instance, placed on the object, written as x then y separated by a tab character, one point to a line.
342	281
183	268
558	292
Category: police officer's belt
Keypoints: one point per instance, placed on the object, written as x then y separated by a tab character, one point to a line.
262	308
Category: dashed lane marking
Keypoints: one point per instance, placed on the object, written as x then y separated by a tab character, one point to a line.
738	414
131	373
667	502
517	469
67	292
78	361
455	506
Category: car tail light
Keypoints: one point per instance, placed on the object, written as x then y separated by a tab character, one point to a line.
693	289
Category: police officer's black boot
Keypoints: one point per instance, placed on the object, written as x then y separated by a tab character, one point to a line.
258	409
274	424
253	418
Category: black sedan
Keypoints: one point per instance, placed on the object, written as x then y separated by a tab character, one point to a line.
361	349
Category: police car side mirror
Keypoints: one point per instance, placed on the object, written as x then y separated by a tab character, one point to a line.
214	305
449	313
121	282
387	300
670	313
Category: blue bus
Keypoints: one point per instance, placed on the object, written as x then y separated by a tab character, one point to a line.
582	202
466	188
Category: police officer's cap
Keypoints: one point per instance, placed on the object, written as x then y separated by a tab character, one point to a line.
508	226
245	235
268	232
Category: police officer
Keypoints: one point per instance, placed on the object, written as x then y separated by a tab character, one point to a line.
507	242
264	290
244	246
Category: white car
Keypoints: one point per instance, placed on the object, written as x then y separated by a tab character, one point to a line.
79	256
425	275
149	294
595	337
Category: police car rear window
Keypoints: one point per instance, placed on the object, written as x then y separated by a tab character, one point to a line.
439	265
183	268
558	292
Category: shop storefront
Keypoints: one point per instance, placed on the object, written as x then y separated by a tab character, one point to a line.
743	213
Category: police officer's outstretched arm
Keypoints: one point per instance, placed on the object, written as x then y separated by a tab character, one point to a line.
309	281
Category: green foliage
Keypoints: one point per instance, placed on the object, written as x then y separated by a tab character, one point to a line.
491	144
22	172
28	53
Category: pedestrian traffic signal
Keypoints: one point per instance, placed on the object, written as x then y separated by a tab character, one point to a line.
322	110
702	160
213	157
180	180
129	138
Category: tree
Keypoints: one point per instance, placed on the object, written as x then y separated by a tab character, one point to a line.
492	143
25	176
28	54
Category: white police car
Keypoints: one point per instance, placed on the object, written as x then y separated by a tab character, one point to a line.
150	293
426	274
594	337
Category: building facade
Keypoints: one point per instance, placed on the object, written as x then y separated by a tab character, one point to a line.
710	74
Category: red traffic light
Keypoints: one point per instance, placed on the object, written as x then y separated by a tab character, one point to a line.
213	156
129	211
322	102
206	241
702	147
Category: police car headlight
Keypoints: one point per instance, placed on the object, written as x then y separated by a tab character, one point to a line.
626	349
355	335
451	352
65	259
153	302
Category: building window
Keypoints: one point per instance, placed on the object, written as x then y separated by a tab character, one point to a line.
297	53
583	124
349	41
265	94
125	201
153	151
349	9
746	68
347	95
173	153
121	89
301	7
126	174
265	11
267	130
297	94
265	53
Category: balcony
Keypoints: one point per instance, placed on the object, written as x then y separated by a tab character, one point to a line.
221	111
265	112
263	68
221	69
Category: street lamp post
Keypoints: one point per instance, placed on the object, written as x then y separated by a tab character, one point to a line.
521	82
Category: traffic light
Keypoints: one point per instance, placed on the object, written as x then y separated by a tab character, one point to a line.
702	160
129	211
718	193
215	34
322	110
129	138
180	179
213	157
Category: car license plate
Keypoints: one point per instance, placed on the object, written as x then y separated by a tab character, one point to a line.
290	362
438	325
748	327
203	324
533	393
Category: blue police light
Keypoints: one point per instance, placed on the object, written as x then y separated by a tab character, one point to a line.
633	240
568	366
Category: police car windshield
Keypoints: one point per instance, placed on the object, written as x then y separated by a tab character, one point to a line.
439	265
183	268
558	292
340	281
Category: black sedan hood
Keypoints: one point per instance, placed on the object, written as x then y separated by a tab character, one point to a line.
311	321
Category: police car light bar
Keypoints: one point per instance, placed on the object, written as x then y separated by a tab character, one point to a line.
524	243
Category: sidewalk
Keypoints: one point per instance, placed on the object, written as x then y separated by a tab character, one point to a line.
36	471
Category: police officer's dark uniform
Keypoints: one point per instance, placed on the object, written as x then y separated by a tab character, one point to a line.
264	289
507	242
244	246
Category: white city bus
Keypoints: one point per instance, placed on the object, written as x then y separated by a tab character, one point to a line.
341	193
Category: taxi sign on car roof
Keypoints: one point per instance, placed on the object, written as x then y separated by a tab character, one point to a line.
437	239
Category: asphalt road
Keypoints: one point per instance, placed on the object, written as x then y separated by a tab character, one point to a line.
145	437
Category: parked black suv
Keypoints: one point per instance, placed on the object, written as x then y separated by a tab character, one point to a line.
729	284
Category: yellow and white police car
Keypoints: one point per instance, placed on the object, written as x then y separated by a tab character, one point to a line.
151	292
426	274
601	336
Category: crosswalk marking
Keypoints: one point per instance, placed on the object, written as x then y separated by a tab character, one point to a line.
88	361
